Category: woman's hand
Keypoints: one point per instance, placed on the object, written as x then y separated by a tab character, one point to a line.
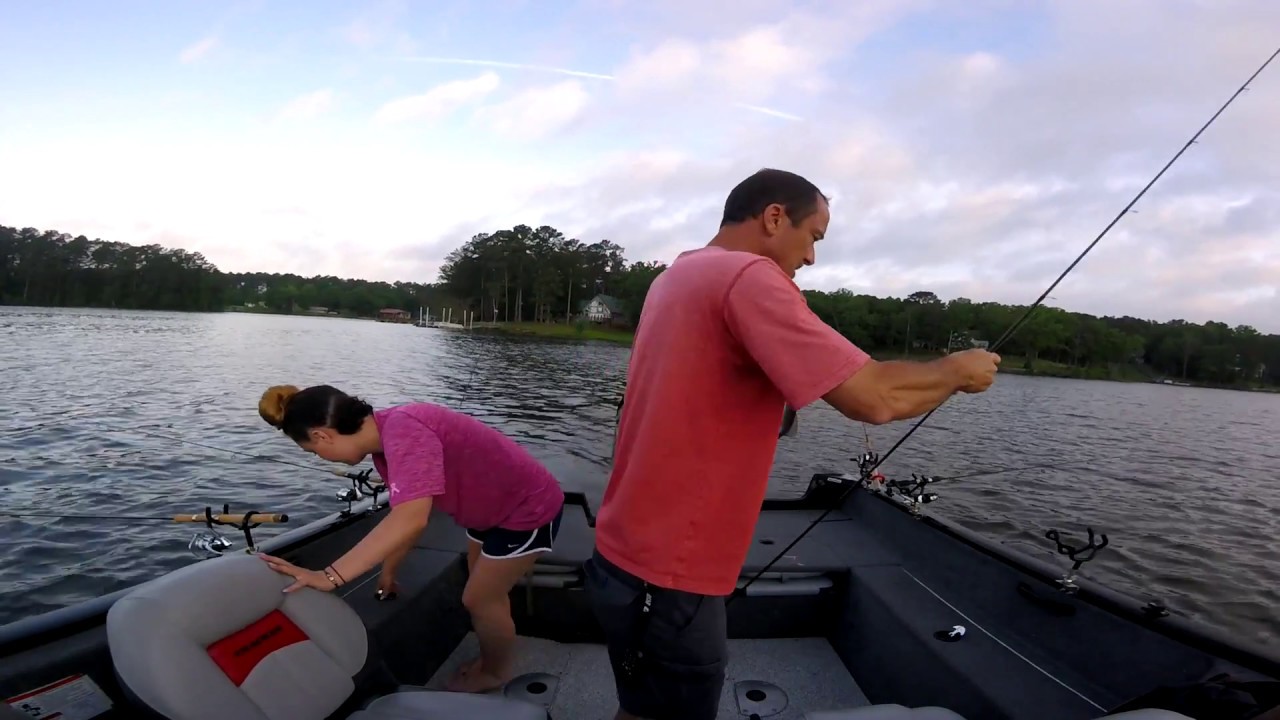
387	585
302	577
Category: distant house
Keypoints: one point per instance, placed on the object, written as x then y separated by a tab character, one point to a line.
394	315
605	309
962	340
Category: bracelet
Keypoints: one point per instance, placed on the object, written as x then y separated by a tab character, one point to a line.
334	570
331	578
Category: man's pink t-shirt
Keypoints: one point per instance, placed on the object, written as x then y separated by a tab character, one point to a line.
480	477
724	340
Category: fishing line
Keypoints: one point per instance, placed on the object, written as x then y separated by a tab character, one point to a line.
1039	466
123	518
1013	328
242	453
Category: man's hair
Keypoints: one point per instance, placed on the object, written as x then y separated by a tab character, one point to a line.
748	199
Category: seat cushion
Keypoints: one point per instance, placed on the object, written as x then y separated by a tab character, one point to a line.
885	712
219	639
431	705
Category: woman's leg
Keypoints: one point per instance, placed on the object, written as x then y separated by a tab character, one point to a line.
473	553
486	598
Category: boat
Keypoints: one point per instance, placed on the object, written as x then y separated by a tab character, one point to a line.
880	612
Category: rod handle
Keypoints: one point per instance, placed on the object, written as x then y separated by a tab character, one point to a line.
235	518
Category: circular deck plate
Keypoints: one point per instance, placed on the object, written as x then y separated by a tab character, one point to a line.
537	688
759	698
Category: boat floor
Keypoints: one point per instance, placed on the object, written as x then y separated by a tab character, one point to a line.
580	683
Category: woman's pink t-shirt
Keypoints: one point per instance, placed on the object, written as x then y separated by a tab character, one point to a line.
480	477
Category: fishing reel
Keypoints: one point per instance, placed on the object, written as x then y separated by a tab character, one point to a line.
360	487
912	492
867	463
209	543
1077	554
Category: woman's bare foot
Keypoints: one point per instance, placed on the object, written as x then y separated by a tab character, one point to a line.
474	680
471	677
468	667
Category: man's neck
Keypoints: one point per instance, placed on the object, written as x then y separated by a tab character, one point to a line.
730	239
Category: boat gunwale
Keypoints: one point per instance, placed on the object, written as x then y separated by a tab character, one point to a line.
1185	630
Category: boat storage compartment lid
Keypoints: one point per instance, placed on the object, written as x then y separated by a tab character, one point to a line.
885	712
429	705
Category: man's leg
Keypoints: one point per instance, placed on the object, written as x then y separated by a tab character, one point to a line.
669	666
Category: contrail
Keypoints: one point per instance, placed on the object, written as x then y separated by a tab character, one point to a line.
769	111
573	73
513	66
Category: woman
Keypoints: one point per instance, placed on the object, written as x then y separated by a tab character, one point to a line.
431	456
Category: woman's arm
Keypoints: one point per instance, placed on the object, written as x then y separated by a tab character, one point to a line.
402	525
398	530
415	474
392	562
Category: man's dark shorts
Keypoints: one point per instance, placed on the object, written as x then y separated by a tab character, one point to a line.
668	663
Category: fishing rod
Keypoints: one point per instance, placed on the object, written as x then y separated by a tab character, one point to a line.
206	543
1017	324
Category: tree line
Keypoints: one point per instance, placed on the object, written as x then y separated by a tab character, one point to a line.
527	274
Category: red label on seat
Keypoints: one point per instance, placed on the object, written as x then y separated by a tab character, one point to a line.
239	653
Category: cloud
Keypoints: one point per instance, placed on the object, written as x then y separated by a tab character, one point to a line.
974	174
971	149
377	24
305	107
437	102
538	111
198	50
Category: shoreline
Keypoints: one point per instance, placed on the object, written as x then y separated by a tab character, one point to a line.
1124	374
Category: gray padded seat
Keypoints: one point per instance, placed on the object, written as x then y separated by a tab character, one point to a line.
885	712
218	639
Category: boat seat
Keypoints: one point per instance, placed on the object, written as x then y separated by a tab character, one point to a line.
218	639
885	712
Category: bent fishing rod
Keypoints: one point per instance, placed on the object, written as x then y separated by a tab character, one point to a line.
1017	324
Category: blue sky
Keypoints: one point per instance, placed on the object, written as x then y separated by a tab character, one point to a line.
973	148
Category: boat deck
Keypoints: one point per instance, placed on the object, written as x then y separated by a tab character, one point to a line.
801	674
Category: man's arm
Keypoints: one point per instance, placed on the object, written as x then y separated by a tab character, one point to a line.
882	392
807	359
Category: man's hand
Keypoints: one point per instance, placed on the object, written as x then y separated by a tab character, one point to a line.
976	369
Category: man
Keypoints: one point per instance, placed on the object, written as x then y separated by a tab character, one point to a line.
725	340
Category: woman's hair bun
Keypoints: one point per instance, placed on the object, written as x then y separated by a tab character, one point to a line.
274	402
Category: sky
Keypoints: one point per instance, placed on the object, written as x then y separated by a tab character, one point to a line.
971	149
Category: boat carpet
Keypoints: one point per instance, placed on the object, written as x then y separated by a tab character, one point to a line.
577	683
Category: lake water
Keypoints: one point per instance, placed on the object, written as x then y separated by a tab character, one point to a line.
1187	489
